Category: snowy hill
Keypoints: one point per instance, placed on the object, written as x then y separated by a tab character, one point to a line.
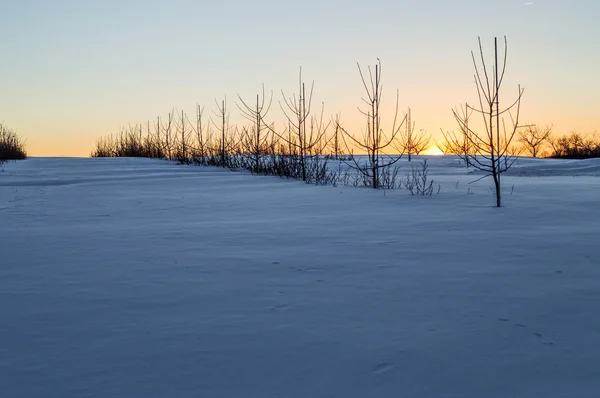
140	278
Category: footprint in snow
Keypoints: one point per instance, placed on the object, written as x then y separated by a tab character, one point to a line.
383	367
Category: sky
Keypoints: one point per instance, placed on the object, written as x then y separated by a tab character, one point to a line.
73	71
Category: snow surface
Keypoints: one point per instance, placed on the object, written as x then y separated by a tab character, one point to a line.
140	278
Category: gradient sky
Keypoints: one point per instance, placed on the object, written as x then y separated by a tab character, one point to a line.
75	70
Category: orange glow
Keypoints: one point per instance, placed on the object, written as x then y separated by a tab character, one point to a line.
433	151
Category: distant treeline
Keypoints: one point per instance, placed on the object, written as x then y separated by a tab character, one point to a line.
575	146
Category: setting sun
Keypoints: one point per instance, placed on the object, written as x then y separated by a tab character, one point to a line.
433	151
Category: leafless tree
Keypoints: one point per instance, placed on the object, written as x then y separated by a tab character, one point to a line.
157	134
182	126
411	143
305	132
534	138
223	127
202	132
459	144
168	138
201	140
255	139
491	147
374	141
336	150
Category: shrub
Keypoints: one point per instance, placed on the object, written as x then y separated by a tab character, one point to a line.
417	182
128	144
11	146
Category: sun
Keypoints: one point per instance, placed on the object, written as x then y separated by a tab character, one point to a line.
433	151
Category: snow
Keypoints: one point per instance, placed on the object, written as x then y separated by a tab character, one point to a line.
140	278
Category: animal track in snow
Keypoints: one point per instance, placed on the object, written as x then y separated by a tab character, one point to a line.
539	335
383	367
280	307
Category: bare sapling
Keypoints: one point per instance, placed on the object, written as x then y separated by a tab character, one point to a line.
202	133
411	142
491	145
167	130
255	139
222	125
417	180
459	144
374	141
336	143
305	132
182	152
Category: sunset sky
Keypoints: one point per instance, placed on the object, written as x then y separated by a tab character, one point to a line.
72	71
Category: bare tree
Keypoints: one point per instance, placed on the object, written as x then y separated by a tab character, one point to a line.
534	138
374	141
159	142
411	143
200	151
181	151
223	127
335	139
305	132
168	139
460	144
255	139
197	143
491	147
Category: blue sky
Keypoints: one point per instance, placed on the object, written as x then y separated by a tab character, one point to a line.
76	70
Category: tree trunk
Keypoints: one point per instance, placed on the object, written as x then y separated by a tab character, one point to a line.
498	195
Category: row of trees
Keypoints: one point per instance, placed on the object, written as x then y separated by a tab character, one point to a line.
299	148
11	146
487	137
296	149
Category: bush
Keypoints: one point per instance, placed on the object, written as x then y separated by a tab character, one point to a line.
11	146
128	144
417	181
